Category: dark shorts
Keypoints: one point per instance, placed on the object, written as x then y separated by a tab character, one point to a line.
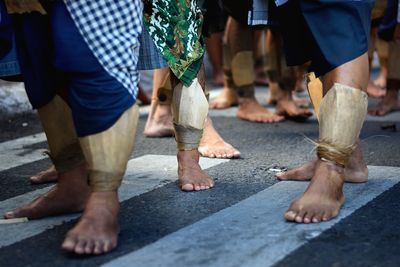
53	56
238	9
327	33
214	17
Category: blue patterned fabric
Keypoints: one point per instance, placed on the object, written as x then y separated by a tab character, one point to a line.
149	56
112	28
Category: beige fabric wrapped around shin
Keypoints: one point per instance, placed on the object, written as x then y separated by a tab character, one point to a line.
65	150
242	66
189	110
107	153
341	116
24	6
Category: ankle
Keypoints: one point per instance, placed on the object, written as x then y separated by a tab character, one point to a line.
245	101
188	156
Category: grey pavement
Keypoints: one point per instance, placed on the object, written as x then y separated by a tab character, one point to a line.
237	223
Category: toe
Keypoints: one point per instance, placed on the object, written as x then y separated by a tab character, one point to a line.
317	217
89	248
10	215
69	243
300	216
281	176
98	247
197	187
307	218
80	247
108	246
187	187
325	216
290	215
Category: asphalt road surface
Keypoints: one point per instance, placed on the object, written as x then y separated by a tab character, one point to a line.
237	223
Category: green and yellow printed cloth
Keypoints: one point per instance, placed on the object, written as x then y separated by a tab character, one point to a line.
176	28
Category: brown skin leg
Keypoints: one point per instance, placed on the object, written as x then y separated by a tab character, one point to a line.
389	103
159	124
97	230
191	176
159	121
68	196
249	108
47	176
283	81
227	98
214	50
324	197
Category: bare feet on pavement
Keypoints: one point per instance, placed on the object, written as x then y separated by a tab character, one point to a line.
288	108
213	146
250	110
389	103
48	176
159	121
191	176
226	99
69	195
322	199
375	90
97	230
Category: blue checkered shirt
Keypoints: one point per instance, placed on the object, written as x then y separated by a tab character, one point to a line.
111	28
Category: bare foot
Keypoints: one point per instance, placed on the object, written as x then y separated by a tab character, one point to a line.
218	78
97	230
69	195
381	80
213	146
301	102
191	176
388	104
227	98
356	170
374	90
322	199
250	110
159	121
48	176
289	109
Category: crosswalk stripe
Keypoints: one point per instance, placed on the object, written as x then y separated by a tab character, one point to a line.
252	232
143	174
18	151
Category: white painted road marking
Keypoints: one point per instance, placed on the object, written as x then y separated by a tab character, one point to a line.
143	174
17	152
252	232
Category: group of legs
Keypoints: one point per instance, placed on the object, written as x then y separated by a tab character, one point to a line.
90	119
90	161
239	76
386	86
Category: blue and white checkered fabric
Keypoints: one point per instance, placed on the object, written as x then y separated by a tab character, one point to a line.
111	28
